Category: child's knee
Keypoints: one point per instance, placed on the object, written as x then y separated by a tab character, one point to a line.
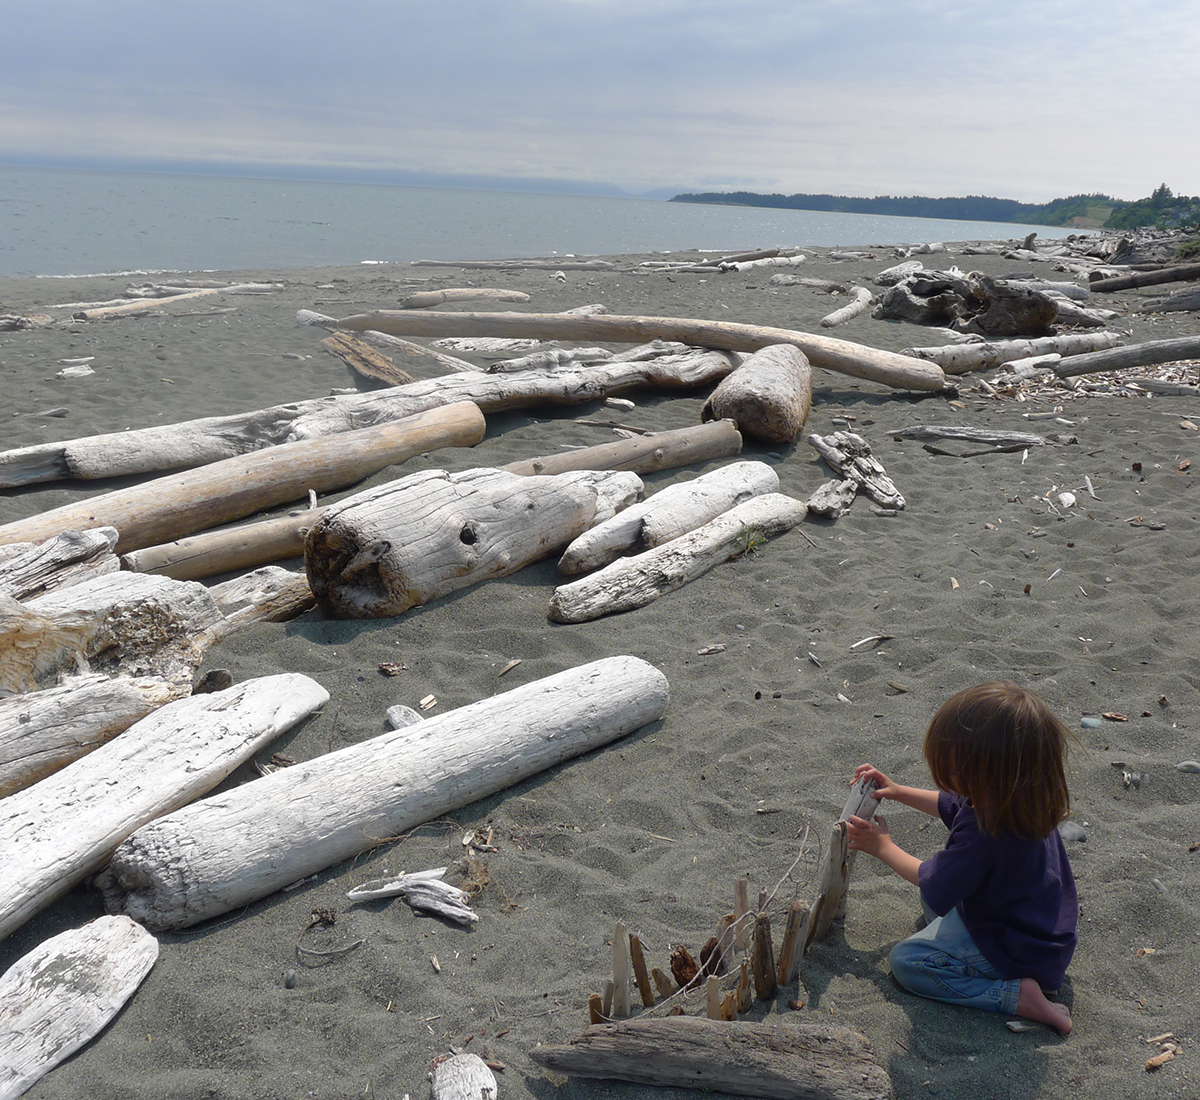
905	959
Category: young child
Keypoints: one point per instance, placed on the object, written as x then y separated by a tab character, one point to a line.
1000	896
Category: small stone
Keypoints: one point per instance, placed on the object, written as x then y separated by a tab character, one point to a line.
1190	766
1070	830
289	979
1090	723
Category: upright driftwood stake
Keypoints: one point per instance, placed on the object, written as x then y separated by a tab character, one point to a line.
745	996
596	1008
662	982
741	910
620	954
791	951
712	997
836	874
641	975
763	959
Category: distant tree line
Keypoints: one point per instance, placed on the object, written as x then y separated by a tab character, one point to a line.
1162	208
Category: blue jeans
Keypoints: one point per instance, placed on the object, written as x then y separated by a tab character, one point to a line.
942	962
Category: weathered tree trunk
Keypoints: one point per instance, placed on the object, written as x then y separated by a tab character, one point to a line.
961	358
1134	355
254	544
192	500
1011	310
380	552
58	562
630	583
1179	301
64	992
825	352
62	829
862	300
227	851
671	512
799	1062
428	299
42	731
197	442
364	360
1177	274
768	396
269	594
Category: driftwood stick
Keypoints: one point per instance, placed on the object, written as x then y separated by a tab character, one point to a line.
799	1062
741	912
835	878
64	992
763	959
862	301
180	504
226	851
791	951
712	997
620	960
825	352
364	360
637	958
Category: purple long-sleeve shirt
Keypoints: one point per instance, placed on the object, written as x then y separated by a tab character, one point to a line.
1016	896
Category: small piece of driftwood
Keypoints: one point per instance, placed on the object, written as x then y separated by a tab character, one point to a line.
422	890
416	355
224	852
798	1062
835	875
634	582
849	456
64	992
364	360
769	396
621	972
762	959
58	561
669	513
62	829
791	950
989	436
833	498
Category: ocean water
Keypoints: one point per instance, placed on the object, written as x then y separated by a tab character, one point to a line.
64	222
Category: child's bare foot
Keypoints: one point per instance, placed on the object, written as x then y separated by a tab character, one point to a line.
1032	1004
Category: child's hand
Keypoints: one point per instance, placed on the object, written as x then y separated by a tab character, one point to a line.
885	788
871	837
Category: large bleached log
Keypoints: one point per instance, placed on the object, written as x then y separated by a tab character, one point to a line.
115	622
671	512
62	829
825	352
1134	355
382	551
193	500
271	540
58	561
961	358
802	1061
862	299
537	265
140	305
239	846
1181	300
427	299
629	583
1177	274
42	731
196	442
64	992
768	396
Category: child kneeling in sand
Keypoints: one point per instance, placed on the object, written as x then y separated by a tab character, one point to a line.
1000	897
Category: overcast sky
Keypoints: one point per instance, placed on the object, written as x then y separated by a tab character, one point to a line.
1026	99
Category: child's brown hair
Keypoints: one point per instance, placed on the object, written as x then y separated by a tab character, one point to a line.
1000	746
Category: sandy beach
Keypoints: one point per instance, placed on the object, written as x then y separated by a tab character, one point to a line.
984	575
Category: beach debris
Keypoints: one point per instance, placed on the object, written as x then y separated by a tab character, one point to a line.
428	702
170	757
708	650
369	555
1115	716
64	992
393	668
751	1059
29	570
826	352
413	355
301	820
422	890
769	396
81	371
832	498
509	667
1168	1049
849	456
633	582
460	1076
364	360
873	640
1131	779
828	286
669	513
1020	1025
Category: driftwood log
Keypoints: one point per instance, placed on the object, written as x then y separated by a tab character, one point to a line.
1188	299
62	829
64	992
1134	355
536	265
862	301
65	559
196	442
1177	274
849	456
417	355
364	360
798	1062
769	396
227	851
839	860
1010	309
380	552
192	500
987	436
961	358
825	352
43	731
428	299
671	512
629	583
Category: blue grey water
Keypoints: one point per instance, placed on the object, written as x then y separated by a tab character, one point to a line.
67	222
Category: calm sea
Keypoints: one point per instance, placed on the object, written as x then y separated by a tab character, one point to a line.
63	222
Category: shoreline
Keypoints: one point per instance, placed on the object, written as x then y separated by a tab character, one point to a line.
749	767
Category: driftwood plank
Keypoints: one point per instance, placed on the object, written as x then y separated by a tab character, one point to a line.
798	1062
62	829
630	583
227	851
64	992
825	352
